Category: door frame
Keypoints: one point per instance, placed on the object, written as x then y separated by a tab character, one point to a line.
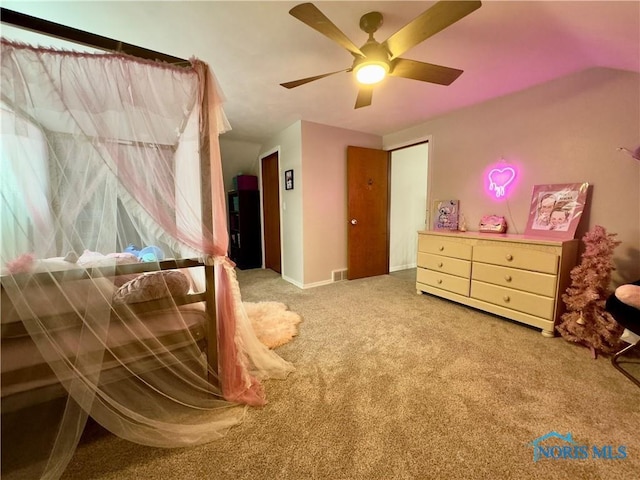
406	225
428	139
261	157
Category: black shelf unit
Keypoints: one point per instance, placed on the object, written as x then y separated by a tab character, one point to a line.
245	246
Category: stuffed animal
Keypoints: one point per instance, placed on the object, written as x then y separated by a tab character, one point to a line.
22	264
146	254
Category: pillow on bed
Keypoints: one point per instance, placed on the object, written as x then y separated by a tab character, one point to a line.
151	286
124	259
91	259
96	259
53	264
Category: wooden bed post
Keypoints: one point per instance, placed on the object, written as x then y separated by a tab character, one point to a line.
212	323
206	203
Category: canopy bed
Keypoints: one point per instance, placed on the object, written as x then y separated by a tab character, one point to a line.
118	300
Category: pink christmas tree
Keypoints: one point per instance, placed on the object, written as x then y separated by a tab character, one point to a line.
586	321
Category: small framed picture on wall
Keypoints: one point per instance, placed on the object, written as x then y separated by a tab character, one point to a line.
288	180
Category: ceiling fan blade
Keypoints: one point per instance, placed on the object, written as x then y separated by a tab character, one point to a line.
425	72
309	14
302	81
365	93
436	18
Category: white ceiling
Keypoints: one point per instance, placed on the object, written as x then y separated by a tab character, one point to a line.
252	47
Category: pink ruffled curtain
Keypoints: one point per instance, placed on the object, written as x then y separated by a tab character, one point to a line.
112	147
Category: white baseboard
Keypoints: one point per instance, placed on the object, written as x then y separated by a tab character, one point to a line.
402	267
292	281
304	286
318	284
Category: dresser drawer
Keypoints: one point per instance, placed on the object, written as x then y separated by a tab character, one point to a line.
533	282
439	263
444	281
442	246
515	257
514	299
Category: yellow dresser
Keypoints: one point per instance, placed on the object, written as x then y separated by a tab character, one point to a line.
508	275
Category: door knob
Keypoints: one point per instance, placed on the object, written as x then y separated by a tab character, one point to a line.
354	221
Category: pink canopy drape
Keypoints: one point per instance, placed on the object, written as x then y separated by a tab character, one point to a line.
100	152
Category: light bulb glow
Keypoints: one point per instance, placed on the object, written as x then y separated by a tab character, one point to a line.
371	73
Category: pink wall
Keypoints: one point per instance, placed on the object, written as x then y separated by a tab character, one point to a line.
324	151
566	130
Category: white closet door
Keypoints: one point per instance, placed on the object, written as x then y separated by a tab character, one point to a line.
409	170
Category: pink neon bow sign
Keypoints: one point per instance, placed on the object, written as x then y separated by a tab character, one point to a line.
500	179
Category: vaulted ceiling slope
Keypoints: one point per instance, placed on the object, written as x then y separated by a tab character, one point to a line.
503	47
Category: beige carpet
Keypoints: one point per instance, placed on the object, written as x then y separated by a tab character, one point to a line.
392	385
273	323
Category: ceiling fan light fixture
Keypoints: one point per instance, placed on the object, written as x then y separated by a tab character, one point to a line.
373	61
370	73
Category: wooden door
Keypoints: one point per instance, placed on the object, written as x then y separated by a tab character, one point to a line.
271	210
368	212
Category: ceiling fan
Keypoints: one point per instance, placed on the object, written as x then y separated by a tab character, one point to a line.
381	59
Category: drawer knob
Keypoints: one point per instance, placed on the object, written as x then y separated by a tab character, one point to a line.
506	298
441	247
509	257
507	278
439	264
439	281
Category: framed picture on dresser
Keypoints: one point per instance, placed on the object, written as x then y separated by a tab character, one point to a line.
445	214
555	210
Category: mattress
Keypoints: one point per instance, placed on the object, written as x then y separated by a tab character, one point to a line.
136	343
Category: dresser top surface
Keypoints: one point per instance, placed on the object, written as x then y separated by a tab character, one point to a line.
504	237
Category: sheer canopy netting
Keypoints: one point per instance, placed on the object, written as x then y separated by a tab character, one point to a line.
106	161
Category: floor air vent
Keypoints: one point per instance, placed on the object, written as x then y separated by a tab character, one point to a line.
338	275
